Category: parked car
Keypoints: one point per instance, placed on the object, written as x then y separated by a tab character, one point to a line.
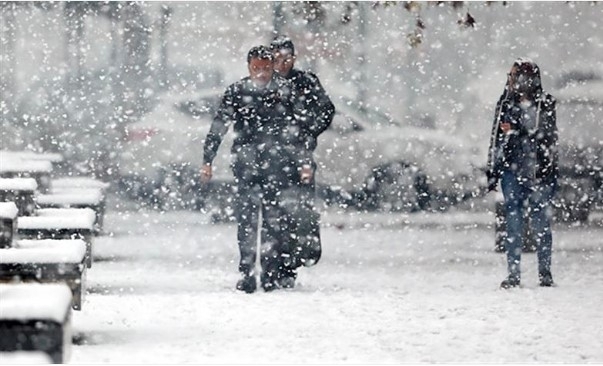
366	159
379	163
580	124
163	152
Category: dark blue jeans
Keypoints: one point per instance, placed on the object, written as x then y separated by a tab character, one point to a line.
523	195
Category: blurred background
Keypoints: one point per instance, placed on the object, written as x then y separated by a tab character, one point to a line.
76	75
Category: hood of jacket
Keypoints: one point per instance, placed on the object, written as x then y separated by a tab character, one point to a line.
528	76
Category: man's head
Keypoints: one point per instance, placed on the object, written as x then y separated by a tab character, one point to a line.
260	63
284	54
524	78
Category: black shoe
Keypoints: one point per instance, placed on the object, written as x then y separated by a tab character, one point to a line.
510	282
546	279
247	284
287	278
287	282
269	282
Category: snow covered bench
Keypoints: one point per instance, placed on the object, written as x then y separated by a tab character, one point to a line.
8	223
21	191
47	261
36	317
40	170
24	358
60	227
68	183
32	155
92	198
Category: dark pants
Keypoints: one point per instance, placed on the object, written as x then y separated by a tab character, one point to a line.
519	196
302	222
258	188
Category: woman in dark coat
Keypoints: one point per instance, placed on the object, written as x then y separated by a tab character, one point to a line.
523	156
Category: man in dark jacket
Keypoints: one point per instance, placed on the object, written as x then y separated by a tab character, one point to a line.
268	150
319	110
523	156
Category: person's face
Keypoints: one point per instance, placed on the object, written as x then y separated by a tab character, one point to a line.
513	78
260	71
283	61
521	82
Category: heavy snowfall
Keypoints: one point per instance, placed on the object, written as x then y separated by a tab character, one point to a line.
124	93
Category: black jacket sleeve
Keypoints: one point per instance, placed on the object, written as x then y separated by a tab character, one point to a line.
303	120
546	139
225	116
494	166
324	110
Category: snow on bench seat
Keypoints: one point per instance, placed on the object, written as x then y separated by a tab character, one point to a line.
93	198
32	155
18	184
78	197
70	251
24	358
8	223
59	227
77	182
40	170
8	210
36	317
18	166
47	261
65	212
55	222
21	191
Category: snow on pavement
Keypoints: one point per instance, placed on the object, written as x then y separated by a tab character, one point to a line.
388	289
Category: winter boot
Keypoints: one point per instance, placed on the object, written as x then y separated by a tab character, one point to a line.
546	279
247	284
510	282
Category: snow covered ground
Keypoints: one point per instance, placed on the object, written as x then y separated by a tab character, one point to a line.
389	289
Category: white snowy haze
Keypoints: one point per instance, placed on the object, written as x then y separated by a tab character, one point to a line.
126	92
452	77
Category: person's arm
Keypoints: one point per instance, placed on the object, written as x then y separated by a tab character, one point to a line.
496	137
547	136
301	118
222	120
324	108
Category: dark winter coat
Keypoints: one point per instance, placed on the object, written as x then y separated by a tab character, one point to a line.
316	103
265	120
531	149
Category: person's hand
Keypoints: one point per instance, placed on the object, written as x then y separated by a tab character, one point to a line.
492	182
492	186
206	173
306	173
505	127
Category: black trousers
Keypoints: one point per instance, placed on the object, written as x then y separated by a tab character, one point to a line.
257	190
301	221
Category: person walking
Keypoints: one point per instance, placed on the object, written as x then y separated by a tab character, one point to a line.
319	110
523	156
267	155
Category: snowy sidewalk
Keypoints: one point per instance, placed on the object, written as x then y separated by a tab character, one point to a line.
163	292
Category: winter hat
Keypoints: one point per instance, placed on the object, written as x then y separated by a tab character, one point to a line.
282	43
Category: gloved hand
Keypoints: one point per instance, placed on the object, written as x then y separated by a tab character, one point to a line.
492	181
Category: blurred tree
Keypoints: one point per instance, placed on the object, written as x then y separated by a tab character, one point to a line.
7	59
